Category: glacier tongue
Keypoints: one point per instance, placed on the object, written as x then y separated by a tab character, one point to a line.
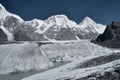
78	52
22	57
72	50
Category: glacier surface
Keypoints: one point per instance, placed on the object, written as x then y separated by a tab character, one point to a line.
76	52
22	57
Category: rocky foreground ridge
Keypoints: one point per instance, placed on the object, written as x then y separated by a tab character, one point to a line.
111	36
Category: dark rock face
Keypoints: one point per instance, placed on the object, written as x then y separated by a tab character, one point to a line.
100	60
113	74
3	36
10	23
66	34
0	8
58	33
111	36
108	75
23	32
19	36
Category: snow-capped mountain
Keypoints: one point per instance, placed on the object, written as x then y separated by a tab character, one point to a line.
57	27
4	13
8	22
89	29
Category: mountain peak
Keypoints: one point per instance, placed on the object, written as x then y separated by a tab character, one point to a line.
58	20
4	13
2	7
89	25
61	16
88	19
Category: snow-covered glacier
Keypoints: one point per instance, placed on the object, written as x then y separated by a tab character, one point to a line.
71	50
22	57
95	58
73	71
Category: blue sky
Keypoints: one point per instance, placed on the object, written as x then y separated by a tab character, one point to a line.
101	11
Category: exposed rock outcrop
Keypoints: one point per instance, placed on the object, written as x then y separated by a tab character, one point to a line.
111	36
3	36
108	75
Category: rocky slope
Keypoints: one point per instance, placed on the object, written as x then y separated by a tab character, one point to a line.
111	36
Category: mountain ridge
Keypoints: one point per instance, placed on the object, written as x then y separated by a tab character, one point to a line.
56	27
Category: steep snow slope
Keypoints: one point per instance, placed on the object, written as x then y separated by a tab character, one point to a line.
89	29
59	27
22	57
88	22
37	24
4	13
6	26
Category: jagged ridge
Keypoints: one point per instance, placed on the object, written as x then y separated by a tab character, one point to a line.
57	27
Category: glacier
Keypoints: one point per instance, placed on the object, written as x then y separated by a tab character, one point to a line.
72	50
77	52
22	57
69	72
